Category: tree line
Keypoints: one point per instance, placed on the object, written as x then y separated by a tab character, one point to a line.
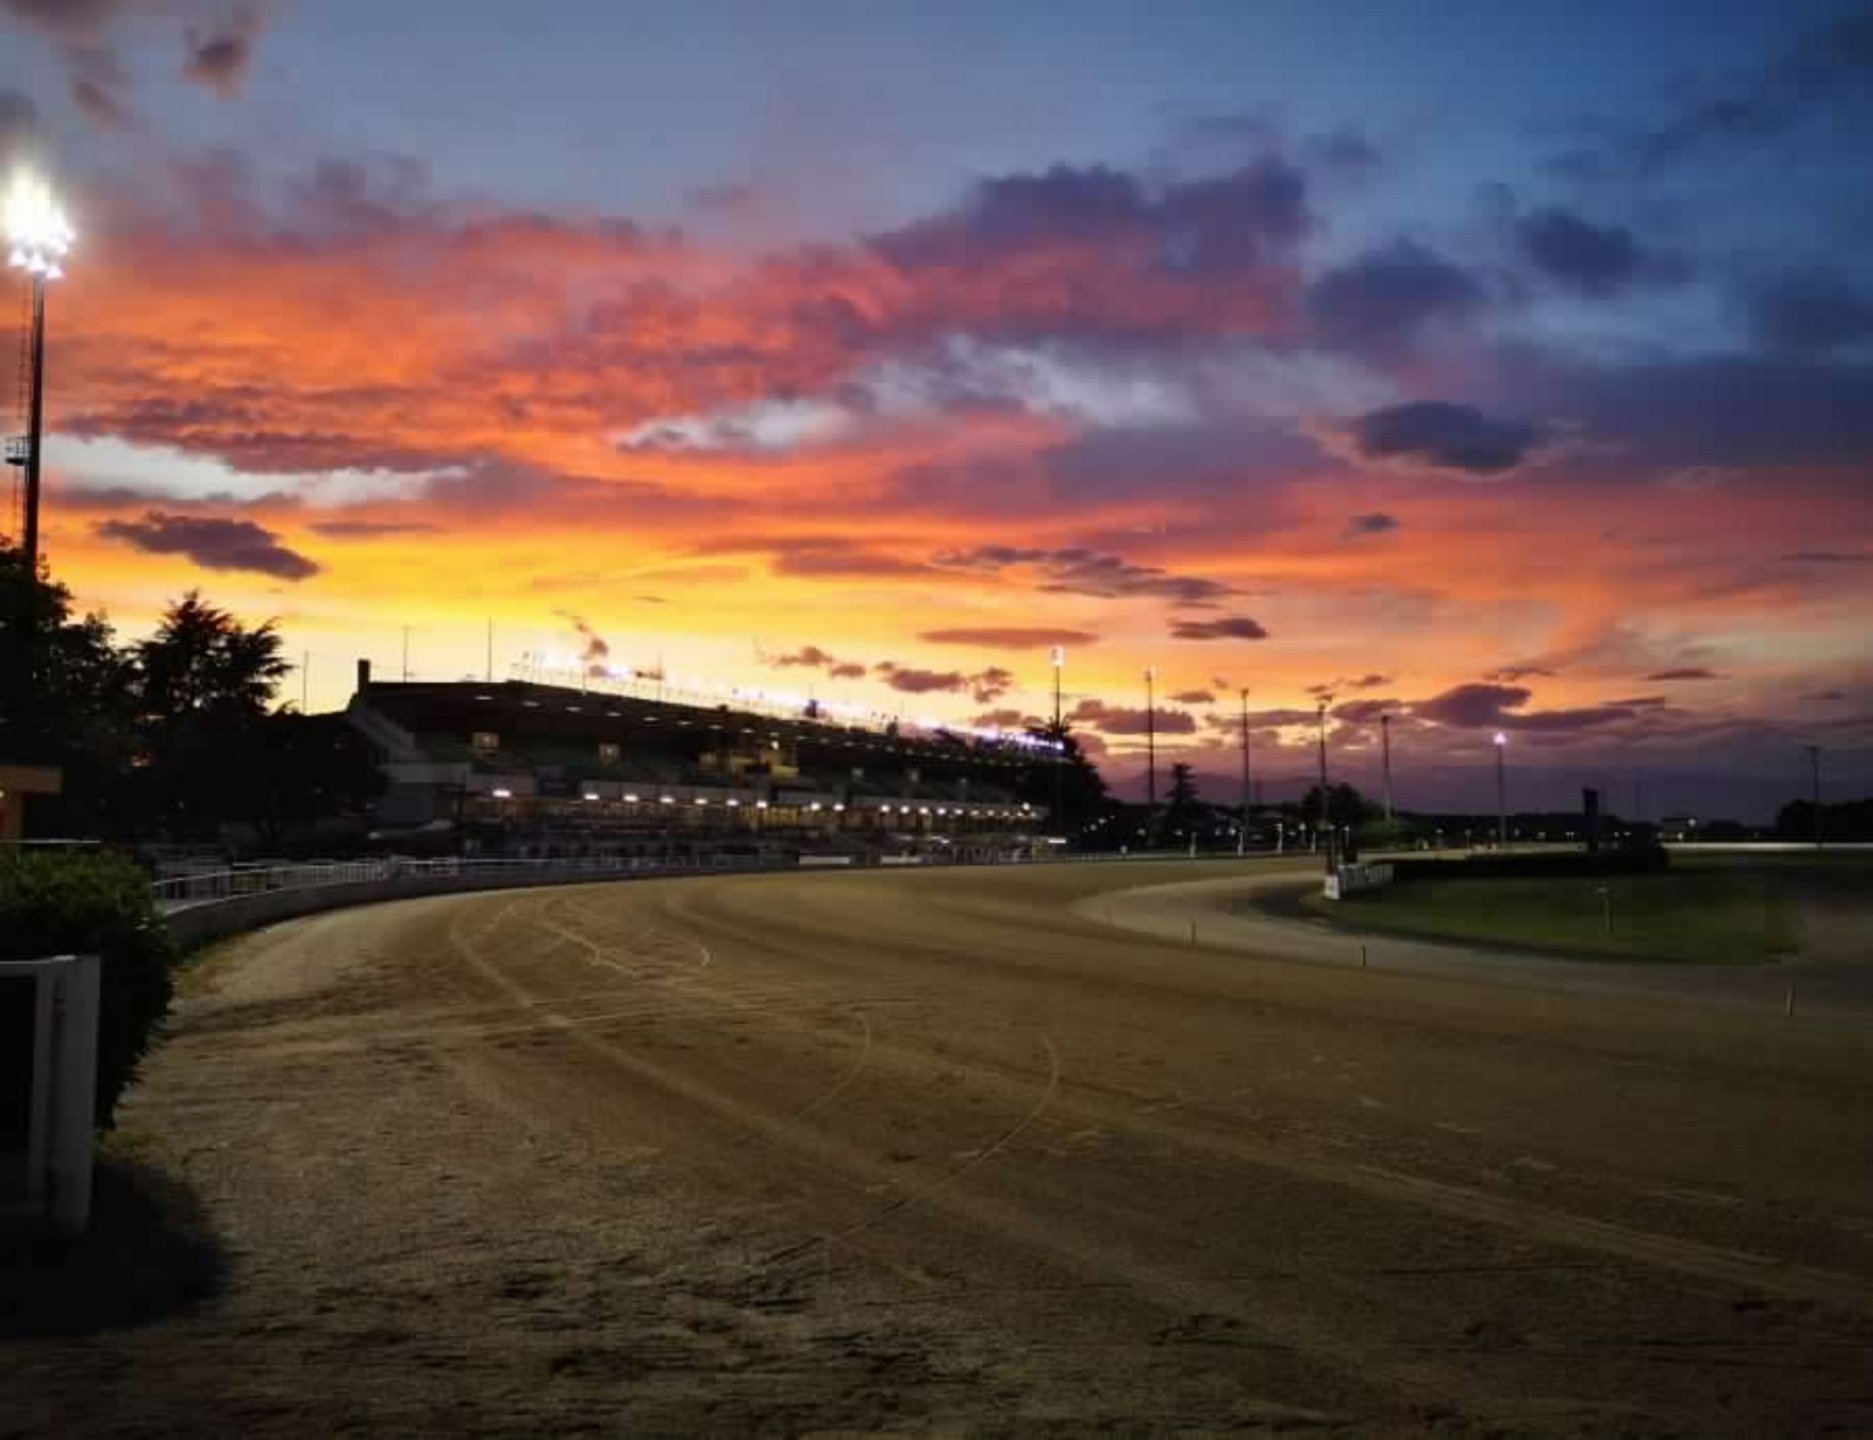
174	737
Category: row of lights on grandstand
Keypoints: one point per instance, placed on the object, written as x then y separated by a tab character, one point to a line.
817	806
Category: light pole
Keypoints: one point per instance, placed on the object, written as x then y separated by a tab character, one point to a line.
1502	794
1151	752
1060	660
1385	760
1321	821
1242	835
1814	780
38	238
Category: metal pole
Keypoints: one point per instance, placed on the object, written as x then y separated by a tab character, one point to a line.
1059	659
1151	753
406	654
490	651
35	432
1502	802
305	682
1321	820
1385	739
1242	837
1814	773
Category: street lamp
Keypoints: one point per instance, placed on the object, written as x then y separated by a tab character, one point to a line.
38	239
1502	794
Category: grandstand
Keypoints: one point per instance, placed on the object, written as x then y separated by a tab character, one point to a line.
517	766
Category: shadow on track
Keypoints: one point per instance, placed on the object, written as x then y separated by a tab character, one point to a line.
150	1253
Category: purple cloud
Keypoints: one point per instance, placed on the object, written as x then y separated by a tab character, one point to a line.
1595	260
1212	226
1439	435
1116	720
219	61
1388	298
1228	627
1499	707
1808	312
212	543
1079	571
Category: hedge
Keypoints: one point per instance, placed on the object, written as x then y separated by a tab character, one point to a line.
94	904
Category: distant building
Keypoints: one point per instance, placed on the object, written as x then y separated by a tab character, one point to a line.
17	784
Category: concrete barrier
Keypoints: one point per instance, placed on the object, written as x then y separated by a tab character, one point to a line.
209	920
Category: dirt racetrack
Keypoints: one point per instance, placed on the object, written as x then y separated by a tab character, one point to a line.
933	1152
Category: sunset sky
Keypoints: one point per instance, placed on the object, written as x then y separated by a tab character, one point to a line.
1492	366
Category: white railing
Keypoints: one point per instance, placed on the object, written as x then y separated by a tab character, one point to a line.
201	889
207	887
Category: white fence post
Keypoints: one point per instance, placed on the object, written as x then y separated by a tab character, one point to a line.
74	1092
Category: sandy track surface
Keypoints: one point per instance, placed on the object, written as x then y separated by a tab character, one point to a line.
941	1152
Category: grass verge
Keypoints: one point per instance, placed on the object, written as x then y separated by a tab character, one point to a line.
1714	916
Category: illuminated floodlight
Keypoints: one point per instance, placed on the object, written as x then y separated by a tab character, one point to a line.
38	235
734	804
503	794
1501	739
1060	656
590	796
630	799
760	804
666	799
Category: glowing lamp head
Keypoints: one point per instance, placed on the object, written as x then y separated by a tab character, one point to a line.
1501	739
38	235
1060	656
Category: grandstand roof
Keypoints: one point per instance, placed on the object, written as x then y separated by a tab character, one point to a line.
440	718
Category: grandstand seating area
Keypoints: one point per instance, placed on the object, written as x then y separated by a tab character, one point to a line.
513	766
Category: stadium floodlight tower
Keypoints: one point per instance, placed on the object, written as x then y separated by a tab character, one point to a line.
38	239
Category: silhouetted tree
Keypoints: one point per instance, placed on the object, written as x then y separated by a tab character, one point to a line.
205	684
294	770
1842	821
1345	806
1182	813
1082	790
66	695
